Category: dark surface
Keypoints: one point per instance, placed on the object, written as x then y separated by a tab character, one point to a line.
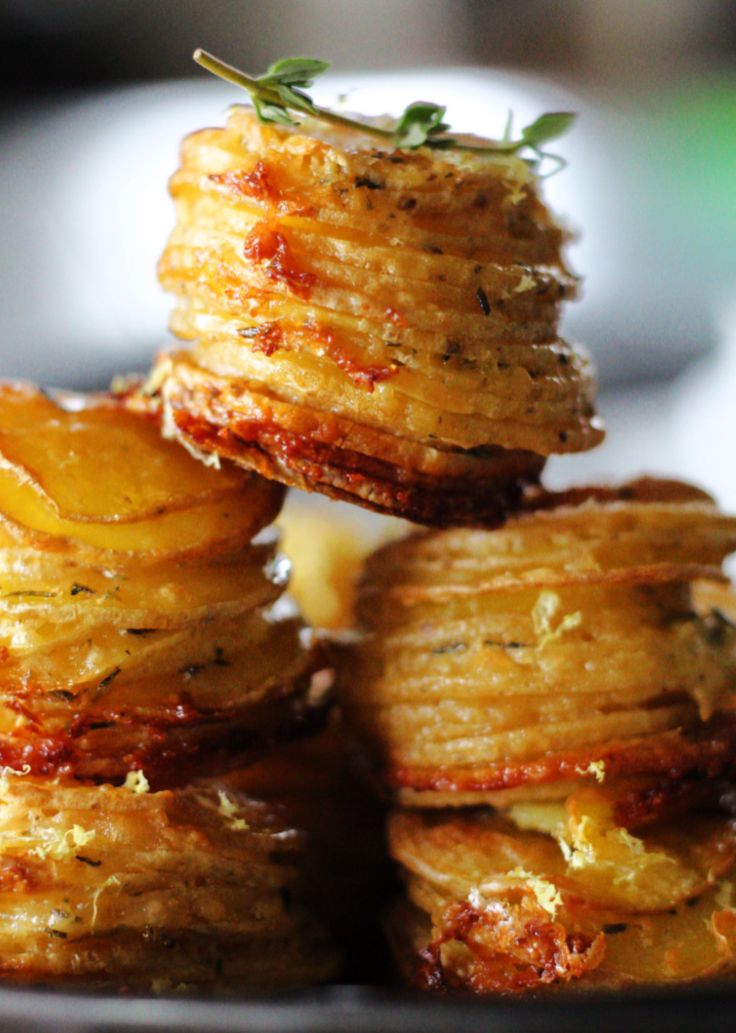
349	1009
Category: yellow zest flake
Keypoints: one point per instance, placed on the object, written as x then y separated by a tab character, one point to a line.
137	782
567	851
614	848
229	810
79	836
547	894
589	838
582	851
526	283
60	845
6	771
596	768
632	843
476	899
112	880
545	608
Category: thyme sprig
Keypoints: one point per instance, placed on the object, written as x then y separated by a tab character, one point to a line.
280	94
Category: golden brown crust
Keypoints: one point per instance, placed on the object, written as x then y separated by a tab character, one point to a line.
470	951
517	954
280	442
173	738
641	532
702	750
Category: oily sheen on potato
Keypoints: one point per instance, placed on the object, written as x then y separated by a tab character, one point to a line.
140	623
549	895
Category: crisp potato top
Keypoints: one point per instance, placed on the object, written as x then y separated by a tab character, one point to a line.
103	477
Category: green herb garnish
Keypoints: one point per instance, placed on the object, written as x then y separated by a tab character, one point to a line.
422	125
87	860
76	589
107	680
279	94
281	89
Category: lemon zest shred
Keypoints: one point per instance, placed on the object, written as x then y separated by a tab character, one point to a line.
544	609
111	880
596	768
476	899
632	843
566	850
582	850
547	894
136	782
6	771
61	845
229	811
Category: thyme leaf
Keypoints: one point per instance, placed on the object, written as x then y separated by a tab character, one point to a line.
420	124
87	860
550	126
286	80
279	94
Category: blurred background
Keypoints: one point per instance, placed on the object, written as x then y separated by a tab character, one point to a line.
95	95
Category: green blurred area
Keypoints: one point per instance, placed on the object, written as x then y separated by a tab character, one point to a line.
691	130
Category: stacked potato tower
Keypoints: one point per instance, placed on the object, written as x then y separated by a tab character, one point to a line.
549	706
142	646
380	326
544	702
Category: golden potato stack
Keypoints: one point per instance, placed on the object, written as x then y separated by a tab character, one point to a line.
551	706
143	643
169	891
378	326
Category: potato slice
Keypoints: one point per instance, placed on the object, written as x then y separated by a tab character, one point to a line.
586	858
139	622
234	519
101	464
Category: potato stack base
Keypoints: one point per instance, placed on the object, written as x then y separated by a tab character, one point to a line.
143	642
554	702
